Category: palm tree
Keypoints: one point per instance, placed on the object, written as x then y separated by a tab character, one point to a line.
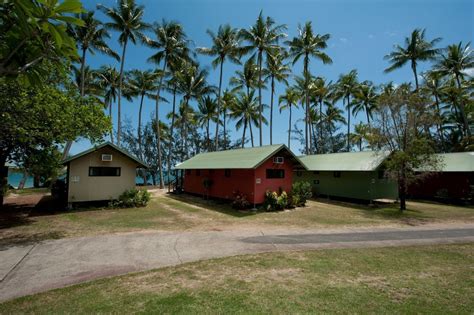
228	101
365	99
90	37
171	46
360	133
416	49
108	80
453	63
262	37
207	110
246	112
322	92
90	86
126	19
225	45
246	79
433	84
347	86
289	100
332	117
307	45
279	71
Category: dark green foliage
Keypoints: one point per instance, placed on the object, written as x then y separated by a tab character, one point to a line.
132	198
240	201
300	193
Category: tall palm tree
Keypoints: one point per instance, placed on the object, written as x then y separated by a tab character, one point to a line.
90	86
289	100
127	19
247	78
225	45
277	70
307	45
453	63
365	99
433	84
262	37
108	79
322	92
347	85
207	110
416	49
246	112
228	101
90	37
360	133
171	46
332	117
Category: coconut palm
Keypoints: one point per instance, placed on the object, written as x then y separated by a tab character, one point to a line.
289	100
308	45
359	134
365	99
247	78
108	80
262	37
433	84
225	45
127	19
347	85
207	112
246	112
228	101
277	70
453	63
91	85
321	91
416	49
332	117
170	47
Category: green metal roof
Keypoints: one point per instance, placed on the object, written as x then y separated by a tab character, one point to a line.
348	161
454	162
100	146
246	158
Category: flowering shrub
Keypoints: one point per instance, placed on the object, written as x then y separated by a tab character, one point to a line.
240	201
282	200
274	202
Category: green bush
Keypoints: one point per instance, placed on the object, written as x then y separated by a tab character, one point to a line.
132	198
300	192
240	201
274	202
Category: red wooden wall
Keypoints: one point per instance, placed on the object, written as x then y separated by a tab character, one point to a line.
242	180
454	184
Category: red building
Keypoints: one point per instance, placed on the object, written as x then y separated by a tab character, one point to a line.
251	171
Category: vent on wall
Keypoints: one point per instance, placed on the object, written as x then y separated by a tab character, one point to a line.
106	157
278	160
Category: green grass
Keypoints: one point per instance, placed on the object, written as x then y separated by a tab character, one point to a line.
27	191
422	279
179	213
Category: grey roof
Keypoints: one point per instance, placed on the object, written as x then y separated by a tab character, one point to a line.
246	158
100	146
347	161
454	162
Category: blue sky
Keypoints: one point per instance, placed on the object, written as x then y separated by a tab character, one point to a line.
362	32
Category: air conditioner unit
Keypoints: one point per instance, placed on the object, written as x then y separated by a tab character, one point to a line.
106	157
278	160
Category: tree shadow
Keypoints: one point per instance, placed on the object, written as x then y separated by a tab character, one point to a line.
28	239
218	205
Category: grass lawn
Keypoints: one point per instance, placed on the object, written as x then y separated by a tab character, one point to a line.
422	279
184	212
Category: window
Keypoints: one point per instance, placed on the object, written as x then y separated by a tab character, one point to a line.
188	172
299	173
337	174
227	173
275	173
104	171
198	172
316	181
278	160
381	174
316	172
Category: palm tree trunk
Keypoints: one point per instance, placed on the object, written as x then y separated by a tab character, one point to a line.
243	134
289	127
467	131
171	137
251	132
110	116
413	67
119	105
348	124
320	125
439	125
271	109
224	125
308	118
157	119
219	105
140	153
208	136
368	117
260	108
305	126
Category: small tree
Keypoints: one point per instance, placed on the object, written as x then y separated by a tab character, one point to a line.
398	126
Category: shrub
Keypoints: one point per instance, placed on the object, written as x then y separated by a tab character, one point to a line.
301	191
274	202
282	201
240	201
132	198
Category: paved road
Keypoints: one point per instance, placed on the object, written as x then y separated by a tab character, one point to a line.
57	263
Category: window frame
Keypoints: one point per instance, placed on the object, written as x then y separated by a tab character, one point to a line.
105	167
270	173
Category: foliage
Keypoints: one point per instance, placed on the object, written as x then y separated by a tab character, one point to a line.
300	193
273	201
132	198
240	201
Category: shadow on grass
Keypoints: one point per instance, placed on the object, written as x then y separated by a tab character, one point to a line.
222	206
29	239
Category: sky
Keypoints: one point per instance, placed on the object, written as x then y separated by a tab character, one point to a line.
362	33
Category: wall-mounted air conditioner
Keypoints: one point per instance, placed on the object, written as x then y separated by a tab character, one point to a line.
106	157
